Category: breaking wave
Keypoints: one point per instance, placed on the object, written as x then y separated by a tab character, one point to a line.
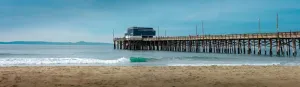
50	61
174	61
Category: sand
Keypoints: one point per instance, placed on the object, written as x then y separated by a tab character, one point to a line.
138	76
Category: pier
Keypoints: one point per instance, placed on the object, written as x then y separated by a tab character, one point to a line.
283	43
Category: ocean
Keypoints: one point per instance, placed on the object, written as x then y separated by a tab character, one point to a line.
105	55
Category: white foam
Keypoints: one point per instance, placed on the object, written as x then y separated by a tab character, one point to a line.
50	61
257	64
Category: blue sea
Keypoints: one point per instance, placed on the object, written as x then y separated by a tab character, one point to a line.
105	55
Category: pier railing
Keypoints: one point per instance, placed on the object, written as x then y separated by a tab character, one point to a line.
220	37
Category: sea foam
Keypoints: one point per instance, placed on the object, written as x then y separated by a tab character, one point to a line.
51	61
251	64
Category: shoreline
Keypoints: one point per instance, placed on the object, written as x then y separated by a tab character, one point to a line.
147	65
150	76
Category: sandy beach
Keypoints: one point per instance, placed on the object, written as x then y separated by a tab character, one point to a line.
138	76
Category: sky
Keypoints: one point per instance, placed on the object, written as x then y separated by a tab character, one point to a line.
95	20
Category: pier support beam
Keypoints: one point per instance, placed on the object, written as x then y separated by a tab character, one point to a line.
157	45
190	46
225	46
299	43
234	48
249	46
197	45
259	47
265	44
278	42
180	46
184	46
271	46
203	46
114	44
218	46
210	47
254	44
121	45
294	47
289	47
239	47
244	46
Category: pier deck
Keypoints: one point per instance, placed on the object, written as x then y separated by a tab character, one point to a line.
285	43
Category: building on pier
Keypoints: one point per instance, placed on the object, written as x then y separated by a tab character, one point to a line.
140	32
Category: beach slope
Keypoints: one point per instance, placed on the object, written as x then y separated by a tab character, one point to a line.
140	76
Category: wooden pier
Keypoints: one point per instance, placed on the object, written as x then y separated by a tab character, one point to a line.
284	43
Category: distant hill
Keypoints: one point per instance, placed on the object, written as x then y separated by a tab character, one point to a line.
55	43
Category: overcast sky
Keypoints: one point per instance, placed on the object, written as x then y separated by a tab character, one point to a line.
94	20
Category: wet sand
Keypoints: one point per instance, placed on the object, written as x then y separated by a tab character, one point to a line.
100	76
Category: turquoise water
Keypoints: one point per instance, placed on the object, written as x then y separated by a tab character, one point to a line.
105	55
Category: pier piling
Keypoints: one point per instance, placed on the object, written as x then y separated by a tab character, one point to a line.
285	42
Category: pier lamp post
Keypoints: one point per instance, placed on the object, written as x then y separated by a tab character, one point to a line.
165	33
278	38
277	23
158	31
196	30
202	27
259	31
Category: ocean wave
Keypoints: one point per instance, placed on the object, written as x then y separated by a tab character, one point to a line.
165	61
241	64
50	61
200	57
11	54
